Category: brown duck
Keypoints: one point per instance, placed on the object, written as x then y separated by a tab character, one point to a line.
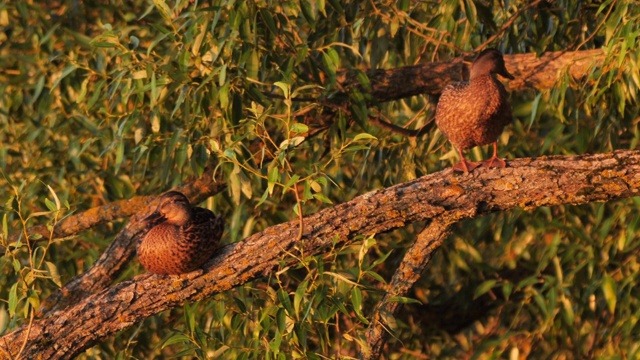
180	238
474	113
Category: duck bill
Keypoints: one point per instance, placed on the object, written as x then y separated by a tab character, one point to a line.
153	219
505	74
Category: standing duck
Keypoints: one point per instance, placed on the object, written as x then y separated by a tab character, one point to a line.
179	238
474	113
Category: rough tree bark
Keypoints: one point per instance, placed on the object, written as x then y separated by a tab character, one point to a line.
442	197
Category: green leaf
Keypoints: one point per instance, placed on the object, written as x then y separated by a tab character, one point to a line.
34	299
273	178
403	300
253	65
55	197
364	136
263	198
299	128
68	70
119	155
5	226
177	338
356	301
164	9
609	291
13	299
286	88
53	272
567	312
484	288
299	296
50	205
4	319
330	62
507	289
281	319
285	301
290	183
380	260
308	12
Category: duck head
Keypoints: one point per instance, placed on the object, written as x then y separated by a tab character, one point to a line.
489	61
173	208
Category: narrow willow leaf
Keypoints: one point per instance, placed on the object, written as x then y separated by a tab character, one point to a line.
53	272
5	227
164	9
50	205
484	288
299	128
55	197
364	136
285	301
13	299
274	176
403	300
34	299
299	296
609	291
322	198
68	70
177	338
286	88
4	319
290	182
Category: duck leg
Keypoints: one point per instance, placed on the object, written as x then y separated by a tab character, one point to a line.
494	161
464	165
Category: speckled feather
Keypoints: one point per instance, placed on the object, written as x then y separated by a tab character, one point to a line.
473	113
168	248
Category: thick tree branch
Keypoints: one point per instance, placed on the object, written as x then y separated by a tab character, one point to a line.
527	183
530	70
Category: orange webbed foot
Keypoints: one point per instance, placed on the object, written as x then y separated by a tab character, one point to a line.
465	166
494	161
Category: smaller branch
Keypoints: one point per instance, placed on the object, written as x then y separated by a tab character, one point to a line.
295	99
413	264
387	124
507	24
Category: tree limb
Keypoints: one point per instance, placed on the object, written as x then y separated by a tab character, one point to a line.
414	262
527	183
530	70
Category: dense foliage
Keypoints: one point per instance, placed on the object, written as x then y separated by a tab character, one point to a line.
104	101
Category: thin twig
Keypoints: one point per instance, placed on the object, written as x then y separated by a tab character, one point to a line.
387	124
507	24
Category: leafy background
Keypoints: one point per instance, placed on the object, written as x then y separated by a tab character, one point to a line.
101	101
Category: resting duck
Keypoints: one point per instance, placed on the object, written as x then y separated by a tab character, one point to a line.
474	113
179	238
